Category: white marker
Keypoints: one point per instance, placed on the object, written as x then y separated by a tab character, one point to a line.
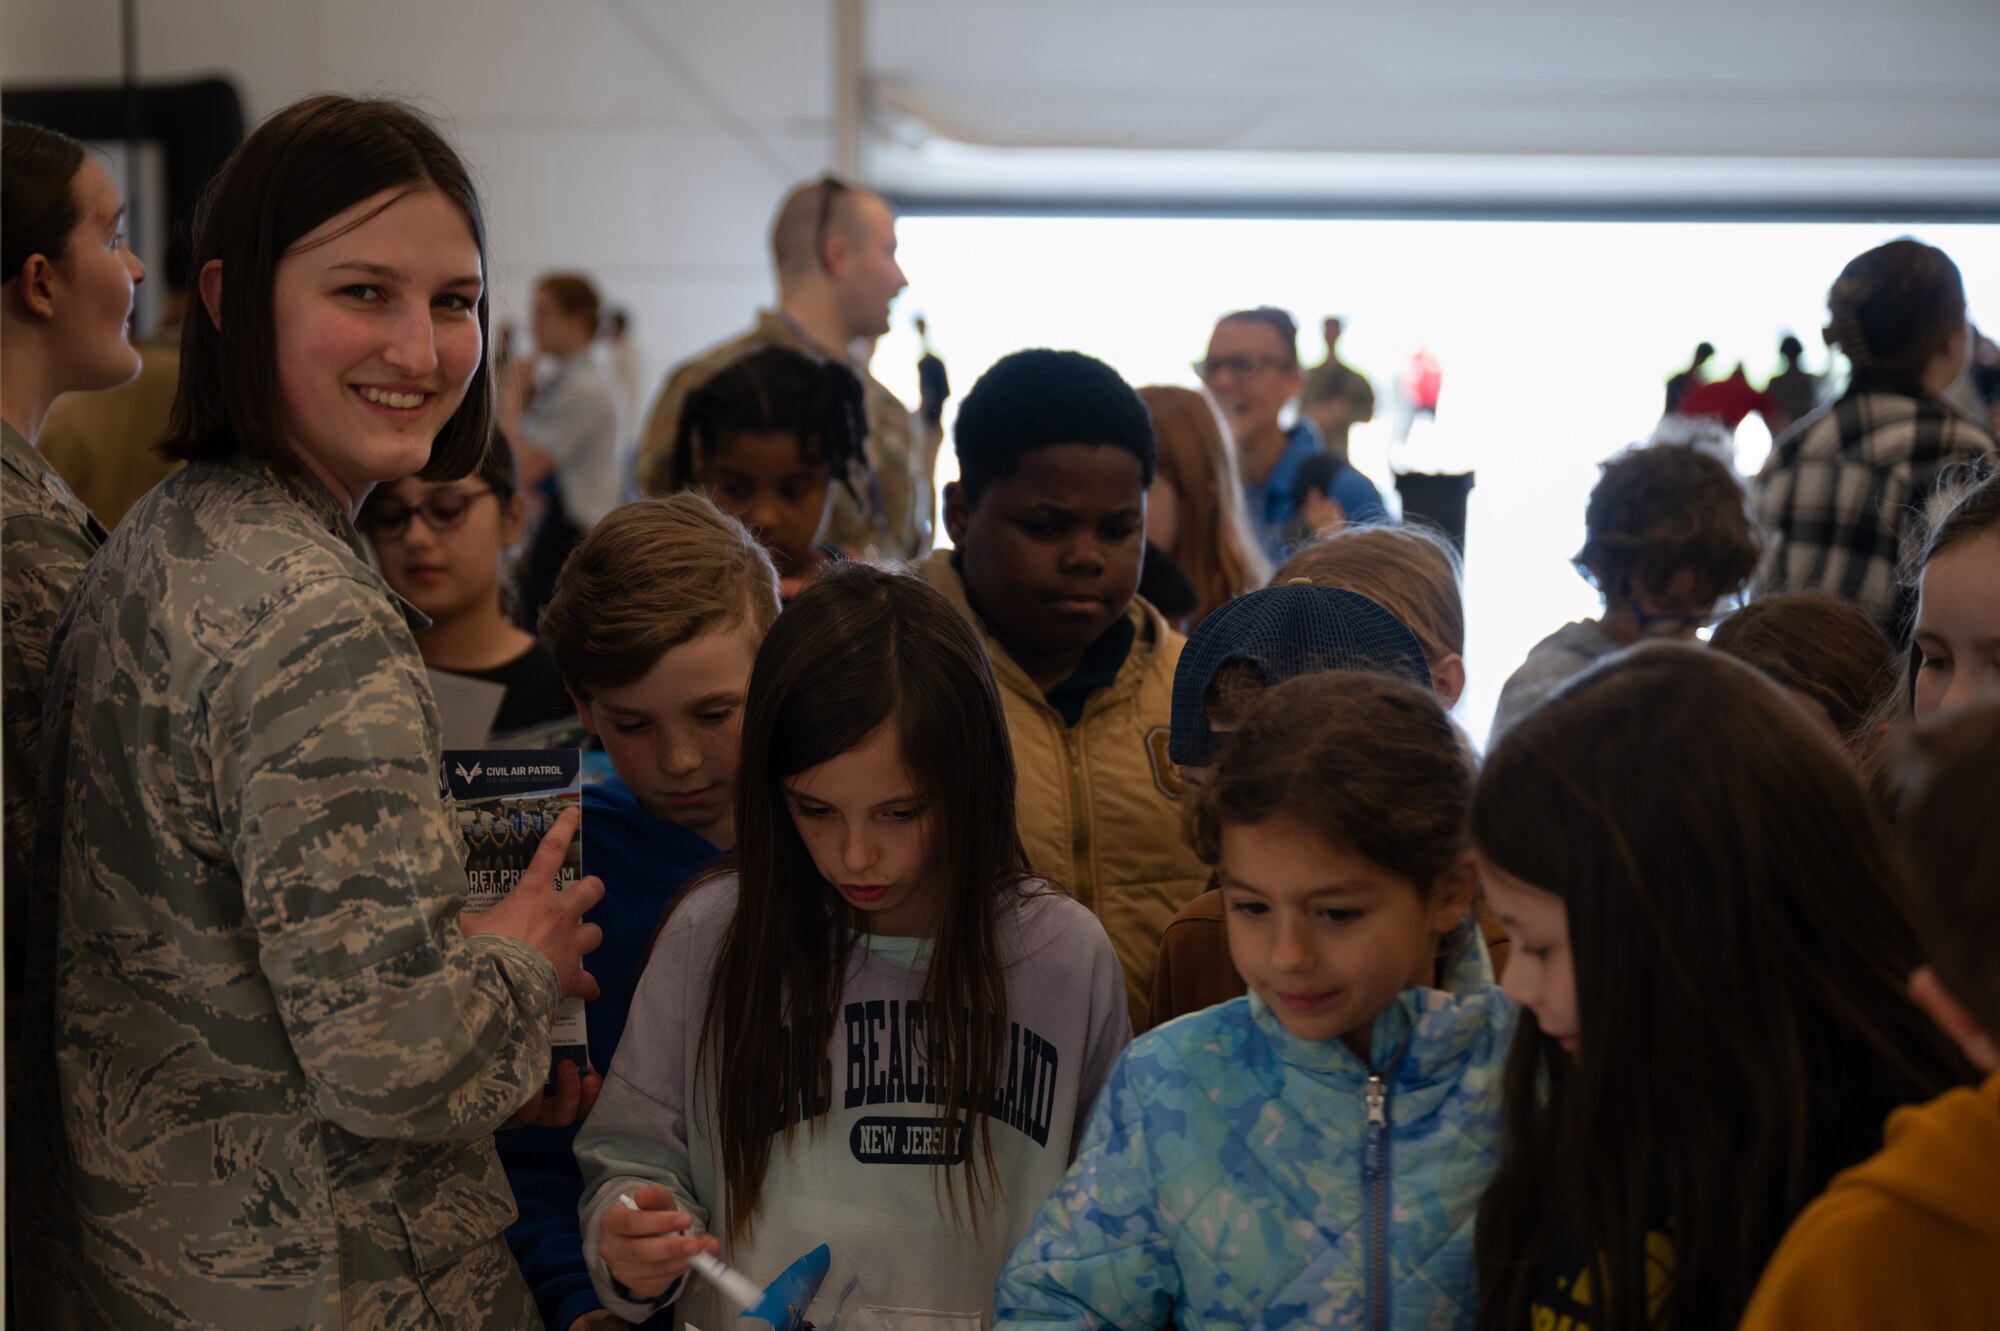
732	1284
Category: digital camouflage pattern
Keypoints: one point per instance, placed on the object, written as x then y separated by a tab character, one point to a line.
48	536
281	1060
898	525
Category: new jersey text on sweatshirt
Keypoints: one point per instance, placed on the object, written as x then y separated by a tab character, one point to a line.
885	1063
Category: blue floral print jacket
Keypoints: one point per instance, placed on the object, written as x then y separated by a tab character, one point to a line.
1234	1175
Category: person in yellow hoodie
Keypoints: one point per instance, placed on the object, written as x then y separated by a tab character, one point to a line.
1911	1236
1047	521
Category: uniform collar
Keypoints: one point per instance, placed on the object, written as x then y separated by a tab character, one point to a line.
33	470
327	514
1149	633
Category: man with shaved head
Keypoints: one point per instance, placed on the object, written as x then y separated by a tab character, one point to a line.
834	247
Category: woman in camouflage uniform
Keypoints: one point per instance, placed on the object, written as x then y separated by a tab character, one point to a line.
66	288
282	1052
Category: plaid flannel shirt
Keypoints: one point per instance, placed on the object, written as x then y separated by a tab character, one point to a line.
1840	488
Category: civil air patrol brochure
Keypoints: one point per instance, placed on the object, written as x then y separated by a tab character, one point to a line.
506	801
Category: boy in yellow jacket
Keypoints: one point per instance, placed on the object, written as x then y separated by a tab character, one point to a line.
1048	521
1911	1236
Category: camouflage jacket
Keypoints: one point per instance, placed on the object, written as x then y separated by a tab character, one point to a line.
897	525
48	537
281	1060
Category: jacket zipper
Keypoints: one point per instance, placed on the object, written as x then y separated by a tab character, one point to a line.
1080	837
1376	1176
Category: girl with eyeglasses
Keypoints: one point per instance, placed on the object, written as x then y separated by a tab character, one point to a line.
443	547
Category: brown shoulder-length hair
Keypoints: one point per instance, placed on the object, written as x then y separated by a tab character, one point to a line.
1214	547
311	161
1741	936
862	648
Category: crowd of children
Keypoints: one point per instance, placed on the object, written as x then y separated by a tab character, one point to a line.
1601	1031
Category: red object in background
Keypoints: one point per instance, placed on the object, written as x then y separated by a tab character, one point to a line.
1425	378
1729	400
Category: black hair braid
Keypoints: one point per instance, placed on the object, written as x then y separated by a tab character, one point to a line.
843	429
776	388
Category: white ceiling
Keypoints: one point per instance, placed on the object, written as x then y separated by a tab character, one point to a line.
1771	102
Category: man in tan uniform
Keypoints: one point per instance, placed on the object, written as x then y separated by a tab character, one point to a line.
1337	396
834	246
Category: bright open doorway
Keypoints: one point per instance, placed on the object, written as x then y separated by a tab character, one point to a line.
1555	338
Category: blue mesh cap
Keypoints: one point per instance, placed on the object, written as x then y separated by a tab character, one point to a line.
1297	629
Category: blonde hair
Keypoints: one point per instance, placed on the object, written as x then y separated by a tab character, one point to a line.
1412	571
649	577
1214	548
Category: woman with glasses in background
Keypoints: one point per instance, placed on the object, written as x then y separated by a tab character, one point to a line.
443	547
1252	370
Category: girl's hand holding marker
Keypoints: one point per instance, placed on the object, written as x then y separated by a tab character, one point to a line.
645	1246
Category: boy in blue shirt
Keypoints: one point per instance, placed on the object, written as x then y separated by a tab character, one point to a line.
655	621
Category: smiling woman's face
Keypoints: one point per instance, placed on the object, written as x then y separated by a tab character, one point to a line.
377	337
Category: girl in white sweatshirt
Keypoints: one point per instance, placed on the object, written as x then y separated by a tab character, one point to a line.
873	1029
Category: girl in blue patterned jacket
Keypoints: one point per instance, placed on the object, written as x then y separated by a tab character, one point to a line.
1314	1152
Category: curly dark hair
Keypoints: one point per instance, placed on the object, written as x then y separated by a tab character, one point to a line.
1662	508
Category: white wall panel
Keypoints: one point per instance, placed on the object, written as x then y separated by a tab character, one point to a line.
594	149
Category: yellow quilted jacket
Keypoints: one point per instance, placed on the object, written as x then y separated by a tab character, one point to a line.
1100	803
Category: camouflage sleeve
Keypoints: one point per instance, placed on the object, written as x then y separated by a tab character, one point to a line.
43	558
325	790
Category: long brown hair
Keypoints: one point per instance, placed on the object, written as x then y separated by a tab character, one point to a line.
1951	788
858	649
1214	547
308	163
1741	938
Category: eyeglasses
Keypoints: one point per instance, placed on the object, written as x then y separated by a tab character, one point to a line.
831	187
442	511
1242	367
1664	626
